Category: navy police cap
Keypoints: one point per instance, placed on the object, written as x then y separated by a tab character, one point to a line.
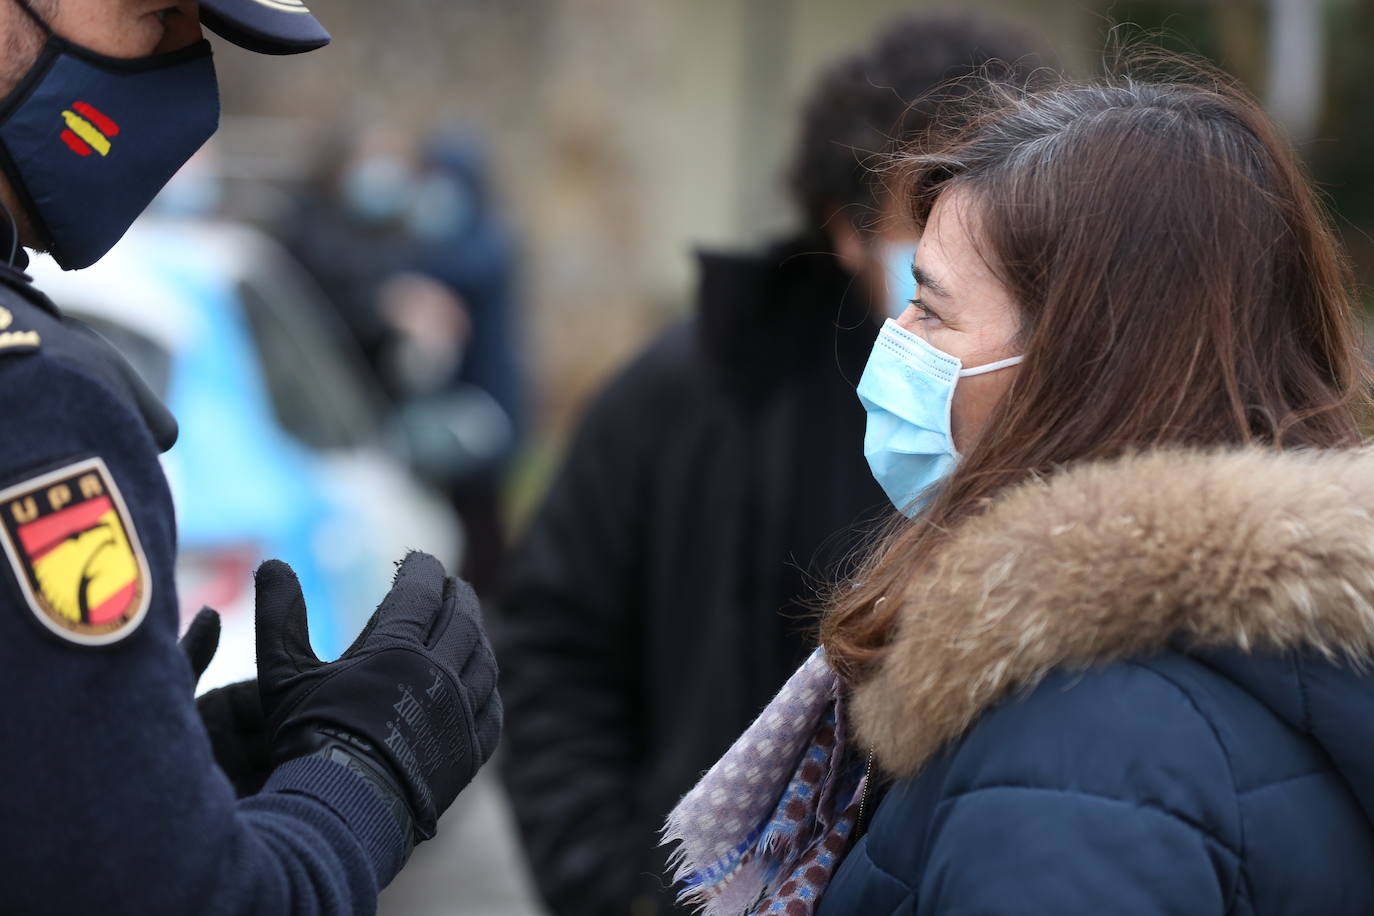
265	26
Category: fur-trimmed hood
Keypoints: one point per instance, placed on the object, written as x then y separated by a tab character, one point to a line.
1233	552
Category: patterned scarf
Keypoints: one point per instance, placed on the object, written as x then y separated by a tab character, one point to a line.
767	825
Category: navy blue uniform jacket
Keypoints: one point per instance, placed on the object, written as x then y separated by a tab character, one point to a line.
1130	690
110	799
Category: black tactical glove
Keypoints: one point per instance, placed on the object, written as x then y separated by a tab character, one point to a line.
232	715
238	735
413	701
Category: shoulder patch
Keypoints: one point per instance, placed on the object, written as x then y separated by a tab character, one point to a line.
16	341
75	553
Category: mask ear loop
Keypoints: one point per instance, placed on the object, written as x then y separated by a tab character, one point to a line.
32	13
991	367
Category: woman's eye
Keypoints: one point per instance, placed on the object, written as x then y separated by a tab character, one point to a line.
926	313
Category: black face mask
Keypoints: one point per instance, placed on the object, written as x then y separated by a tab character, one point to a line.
88	140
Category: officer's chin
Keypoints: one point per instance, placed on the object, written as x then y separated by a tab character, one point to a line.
42	244
24	225
30	237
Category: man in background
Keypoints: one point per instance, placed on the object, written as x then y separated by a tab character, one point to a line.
665	590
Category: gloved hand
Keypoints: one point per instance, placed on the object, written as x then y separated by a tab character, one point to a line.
413	700
233	719
232	715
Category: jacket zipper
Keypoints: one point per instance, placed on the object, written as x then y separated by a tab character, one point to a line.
863	798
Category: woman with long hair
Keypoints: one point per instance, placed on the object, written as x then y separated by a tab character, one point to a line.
1114	659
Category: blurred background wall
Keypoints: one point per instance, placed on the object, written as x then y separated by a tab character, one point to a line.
627	133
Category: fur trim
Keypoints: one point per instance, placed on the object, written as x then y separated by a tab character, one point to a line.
1251	549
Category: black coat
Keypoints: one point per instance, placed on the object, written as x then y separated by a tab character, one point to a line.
667	588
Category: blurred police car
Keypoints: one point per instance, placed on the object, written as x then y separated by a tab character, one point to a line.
282	452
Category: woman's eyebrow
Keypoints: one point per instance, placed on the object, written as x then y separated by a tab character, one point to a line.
925	281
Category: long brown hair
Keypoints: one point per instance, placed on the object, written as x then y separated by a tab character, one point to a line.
1178	285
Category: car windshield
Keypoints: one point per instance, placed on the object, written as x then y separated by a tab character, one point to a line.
318	394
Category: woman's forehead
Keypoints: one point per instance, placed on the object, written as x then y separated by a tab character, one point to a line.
951	254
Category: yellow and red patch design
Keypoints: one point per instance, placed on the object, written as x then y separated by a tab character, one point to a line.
75	553
88	130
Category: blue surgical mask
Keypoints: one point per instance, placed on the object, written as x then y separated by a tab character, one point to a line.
379	188
89	140
907	389
900	284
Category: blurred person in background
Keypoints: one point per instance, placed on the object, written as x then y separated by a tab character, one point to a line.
469	249
661	594
348	227
105	747
413	250
1117	660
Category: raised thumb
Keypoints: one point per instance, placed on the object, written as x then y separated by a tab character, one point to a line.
201	639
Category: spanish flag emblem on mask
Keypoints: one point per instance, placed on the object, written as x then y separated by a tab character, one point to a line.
75	553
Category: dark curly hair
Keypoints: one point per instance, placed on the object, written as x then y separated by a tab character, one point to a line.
861	105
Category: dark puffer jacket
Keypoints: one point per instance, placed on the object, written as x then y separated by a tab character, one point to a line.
1128	690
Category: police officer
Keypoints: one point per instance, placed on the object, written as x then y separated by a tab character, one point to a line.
110	799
